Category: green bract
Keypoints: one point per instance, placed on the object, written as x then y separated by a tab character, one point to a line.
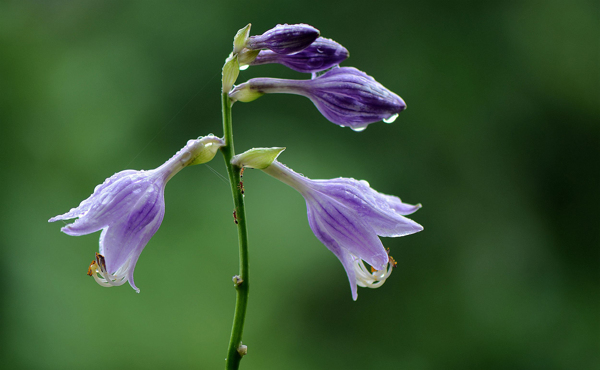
257	158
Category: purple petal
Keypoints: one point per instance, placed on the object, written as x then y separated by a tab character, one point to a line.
129	236
321	232
109	204
349	230
345	96
284	38
371	206
322	54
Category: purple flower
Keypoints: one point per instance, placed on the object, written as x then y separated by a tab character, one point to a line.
284	38
129	207
345	96
347	215
322	54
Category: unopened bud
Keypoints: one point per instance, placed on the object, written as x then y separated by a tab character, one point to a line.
319	56
345	96
284	38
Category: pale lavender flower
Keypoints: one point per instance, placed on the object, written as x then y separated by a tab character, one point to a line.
129	207
347	216
345	96
284	38
322	54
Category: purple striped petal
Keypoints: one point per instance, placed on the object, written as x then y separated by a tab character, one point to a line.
347	216
284	38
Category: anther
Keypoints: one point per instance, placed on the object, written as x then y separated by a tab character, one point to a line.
92	268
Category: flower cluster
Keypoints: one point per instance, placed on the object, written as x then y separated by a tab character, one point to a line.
345	96
345	214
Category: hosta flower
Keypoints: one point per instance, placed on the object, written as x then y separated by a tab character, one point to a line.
347	216
284	38
319	56
345	96
129	207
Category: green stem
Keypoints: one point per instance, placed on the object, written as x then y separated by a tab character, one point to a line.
242	289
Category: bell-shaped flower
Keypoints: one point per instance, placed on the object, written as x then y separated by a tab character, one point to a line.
322	54
345	96
284	38
347	216
129	207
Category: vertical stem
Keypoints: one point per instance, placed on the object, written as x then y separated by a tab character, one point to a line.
233	357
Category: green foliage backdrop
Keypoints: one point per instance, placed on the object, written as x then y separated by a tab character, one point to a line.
500	143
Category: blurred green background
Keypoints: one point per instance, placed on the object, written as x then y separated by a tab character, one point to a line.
500	144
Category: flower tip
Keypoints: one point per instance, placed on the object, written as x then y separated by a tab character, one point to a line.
137	290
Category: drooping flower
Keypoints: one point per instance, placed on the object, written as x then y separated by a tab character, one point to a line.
129	207
347	215
284	38
345	96
322	54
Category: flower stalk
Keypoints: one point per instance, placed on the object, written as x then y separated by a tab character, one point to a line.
242	288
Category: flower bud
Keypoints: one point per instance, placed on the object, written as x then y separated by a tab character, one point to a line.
284	38
322	54
258	158
345	96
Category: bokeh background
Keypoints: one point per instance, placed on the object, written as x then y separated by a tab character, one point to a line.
500	143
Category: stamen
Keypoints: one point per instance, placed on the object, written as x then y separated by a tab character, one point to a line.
393	262
373	278
98	270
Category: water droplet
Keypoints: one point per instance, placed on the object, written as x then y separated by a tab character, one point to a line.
391	119
186	156
358	129
244	67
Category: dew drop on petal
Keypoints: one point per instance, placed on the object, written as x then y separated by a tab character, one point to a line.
244	67
186	156
358	129
391	119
